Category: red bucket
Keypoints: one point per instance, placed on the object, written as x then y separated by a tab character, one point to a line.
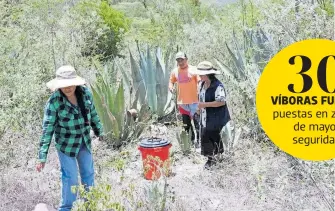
155	156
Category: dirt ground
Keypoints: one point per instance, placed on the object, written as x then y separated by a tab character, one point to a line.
255	177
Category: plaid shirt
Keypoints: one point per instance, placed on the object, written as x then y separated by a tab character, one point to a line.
67	124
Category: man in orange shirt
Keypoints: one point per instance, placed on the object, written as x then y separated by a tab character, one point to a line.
187	93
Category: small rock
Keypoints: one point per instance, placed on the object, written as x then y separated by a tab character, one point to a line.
31	164
43	207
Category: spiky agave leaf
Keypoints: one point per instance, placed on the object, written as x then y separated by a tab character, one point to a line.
184	140
119	107
161	86
239	54
109	122
137	77
135	101
226	71
130	124
150	80
164	97
264	51
98	102
126	79
240	72
169	59
227	137
115	127
142	70
144	116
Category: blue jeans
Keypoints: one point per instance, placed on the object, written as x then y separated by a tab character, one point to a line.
69	175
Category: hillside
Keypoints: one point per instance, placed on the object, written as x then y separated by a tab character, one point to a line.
108	42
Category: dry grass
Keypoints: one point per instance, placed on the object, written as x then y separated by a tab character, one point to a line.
255	177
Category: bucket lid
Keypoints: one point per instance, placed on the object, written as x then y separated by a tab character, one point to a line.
153	142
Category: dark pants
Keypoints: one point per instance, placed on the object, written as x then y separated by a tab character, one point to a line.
211	143
188	125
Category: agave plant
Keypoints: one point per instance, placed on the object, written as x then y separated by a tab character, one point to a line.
184	140
150	76
257	50
248	61
118	124
230	137
261	45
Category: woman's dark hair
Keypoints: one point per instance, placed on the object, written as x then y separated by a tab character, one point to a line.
211	77
79	92
81	102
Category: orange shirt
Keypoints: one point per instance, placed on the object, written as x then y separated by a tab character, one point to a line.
187	84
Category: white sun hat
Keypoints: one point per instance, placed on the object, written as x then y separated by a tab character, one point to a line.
206	68
181	55
65	76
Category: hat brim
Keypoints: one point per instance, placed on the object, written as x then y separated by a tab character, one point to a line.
180	58
206	72
61	83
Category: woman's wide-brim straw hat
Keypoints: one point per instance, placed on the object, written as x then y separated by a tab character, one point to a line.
206	68
65	76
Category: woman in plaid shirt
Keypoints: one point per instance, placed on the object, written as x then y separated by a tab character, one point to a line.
69	116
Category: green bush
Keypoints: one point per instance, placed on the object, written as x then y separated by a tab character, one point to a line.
105	40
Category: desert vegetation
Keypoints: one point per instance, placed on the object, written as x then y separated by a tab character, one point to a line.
125	50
